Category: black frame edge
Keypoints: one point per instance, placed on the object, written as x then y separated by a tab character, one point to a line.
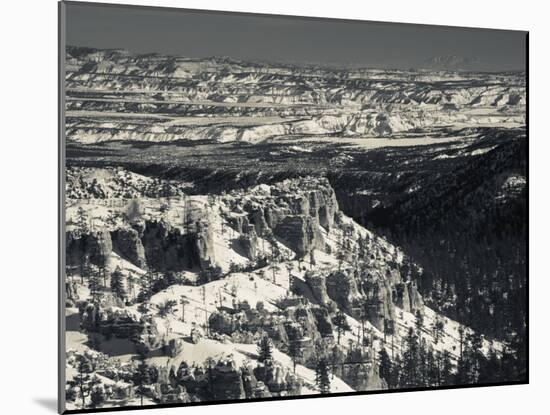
61	294
291	398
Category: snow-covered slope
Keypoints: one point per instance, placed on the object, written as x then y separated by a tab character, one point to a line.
279	259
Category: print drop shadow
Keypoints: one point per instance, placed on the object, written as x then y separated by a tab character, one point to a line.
49	403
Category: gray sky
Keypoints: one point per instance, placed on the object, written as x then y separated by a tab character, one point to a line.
287	39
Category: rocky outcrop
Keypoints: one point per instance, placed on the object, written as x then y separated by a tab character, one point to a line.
379	305
194	379
324	322
165	393
273	375
417	303
173	348
111	321
166	249
225	323
226	381
203	241
317	284
248	243
257	218
127	243
293	211
71	290
163	247
302	331
96	246
363	376
324	205
239	222
407	297
301	233
121	323
253	388
342	288
357	295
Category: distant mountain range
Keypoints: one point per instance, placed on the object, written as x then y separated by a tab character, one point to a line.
453	63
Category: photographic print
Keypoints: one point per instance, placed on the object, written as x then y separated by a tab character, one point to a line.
260	207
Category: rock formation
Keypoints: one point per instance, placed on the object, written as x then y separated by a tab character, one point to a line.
96	246
127	243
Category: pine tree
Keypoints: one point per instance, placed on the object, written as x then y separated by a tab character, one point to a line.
437	328
166	307
322	378
84	268
265	349
419	323
82	222
295	352
336	356
363	316
469	364
142	377
476	355
388	328
97	396
446	368
145	286
432	372
340	256
341	324
131	280
461	339
84	368
94	284
410	373
422	363
117	284
491	368
102	269
385	367
183	303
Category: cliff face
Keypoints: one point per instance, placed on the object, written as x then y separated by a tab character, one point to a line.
318	287
407	297
127	243
379	303
166	249
203	244
154	244
96	246
301	214
226	381
121	323
342	288
300	232
293	211
369	291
